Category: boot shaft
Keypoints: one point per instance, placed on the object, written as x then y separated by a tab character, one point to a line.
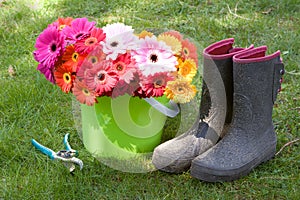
256	80
217	88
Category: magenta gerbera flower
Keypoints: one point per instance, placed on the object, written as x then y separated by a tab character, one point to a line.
49	46
154	56
89	43
48	73
154	85
102	78
80	28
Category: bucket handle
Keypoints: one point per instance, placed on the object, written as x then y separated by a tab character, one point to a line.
170	112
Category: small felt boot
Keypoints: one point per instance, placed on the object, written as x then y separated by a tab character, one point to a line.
251	138
175	155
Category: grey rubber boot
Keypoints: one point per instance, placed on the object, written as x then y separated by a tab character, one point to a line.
251	138
175	155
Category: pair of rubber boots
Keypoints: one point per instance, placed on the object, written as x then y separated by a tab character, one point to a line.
235	132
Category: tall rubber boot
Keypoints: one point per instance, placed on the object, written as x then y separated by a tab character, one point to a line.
175	155
251	138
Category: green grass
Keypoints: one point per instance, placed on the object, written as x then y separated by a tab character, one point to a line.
31	107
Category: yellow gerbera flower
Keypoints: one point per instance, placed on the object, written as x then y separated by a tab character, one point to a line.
144	33
171	41
187	69
180	90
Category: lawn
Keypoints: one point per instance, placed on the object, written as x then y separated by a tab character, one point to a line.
31	107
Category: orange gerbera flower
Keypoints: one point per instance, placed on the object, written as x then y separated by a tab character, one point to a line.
63	22
73	58
64	77
180	90
189	50
187	69
144	33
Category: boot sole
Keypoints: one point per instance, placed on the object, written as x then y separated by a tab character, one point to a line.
211	175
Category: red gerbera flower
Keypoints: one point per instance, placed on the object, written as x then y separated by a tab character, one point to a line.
125	66
64	77
87	44
83	94
154	85
102	78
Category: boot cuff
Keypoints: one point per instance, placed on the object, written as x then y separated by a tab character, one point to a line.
254	55
222	49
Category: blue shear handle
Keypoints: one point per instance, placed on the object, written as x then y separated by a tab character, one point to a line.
66	143
43	149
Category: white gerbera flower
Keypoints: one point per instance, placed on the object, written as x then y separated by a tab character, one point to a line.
119	39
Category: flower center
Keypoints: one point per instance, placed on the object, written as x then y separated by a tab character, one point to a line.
153	58
61	27
93	59
53	47
185	70
67	78
101	76
90	41
79	35
158	83
75	56
86	92
120	66
114	44
180	90
186	51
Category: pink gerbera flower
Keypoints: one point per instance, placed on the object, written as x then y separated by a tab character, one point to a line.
83	94
89	43
102	78
96	56
80	28
119	39
120	89
154	56
154	85
130	88
49	46
82	71
125	66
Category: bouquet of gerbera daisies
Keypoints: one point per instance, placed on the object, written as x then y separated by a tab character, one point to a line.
111	61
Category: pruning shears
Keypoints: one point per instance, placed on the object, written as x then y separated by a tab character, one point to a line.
68	156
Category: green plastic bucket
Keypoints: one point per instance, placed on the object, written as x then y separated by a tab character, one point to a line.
122	127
